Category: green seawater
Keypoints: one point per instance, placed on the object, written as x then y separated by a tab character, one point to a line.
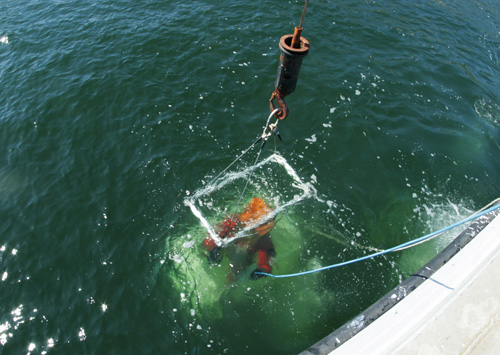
114	112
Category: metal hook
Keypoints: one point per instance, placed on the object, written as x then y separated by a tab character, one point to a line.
283	108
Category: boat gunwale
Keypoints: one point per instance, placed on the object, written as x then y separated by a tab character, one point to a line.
352	327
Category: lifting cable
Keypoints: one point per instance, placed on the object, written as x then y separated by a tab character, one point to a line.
293	49
400	247
264	137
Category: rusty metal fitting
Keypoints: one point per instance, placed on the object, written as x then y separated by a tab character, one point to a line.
283	108
296	37
290	63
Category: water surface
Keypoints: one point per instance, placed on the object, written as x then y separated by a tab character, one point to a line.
112	113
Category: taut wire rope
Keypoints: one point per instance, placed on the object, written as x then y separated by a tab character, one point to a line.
264	136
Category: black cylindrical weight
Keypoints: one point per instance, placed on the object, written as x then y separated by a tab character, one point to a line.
290	62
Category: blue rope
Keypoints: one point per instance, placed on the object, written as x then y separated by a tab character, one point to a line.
401	246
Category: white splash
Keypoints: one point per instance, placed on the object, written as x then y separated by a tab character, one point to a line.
189	244
312	139
308	191
4	333
4	39
81	334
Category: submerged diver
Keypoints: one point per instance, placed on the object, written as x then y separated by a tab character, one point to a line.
242	251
